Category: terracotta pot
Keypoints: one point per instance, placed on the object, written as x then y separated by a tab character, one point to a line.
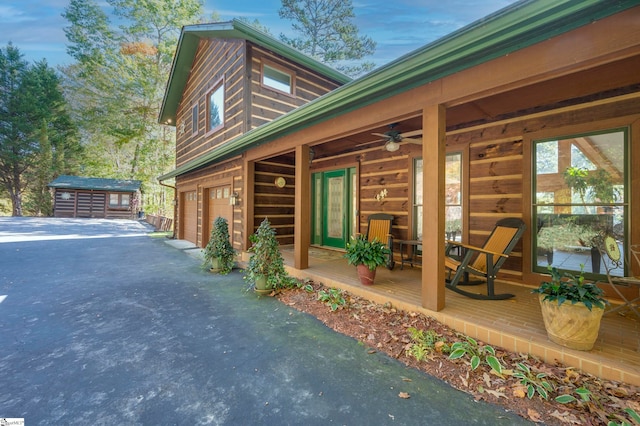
571	325
366	275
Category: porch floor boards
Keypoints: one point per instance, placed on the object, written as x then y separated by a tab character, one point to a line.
514	324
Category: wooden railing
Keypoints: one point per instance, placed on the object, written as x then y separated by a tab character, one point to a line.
161	223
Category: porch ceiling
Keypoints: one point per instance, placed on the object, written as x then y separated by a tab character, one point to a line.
601	82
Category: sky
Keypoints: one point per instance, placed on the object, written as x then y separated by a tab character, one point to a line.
398	26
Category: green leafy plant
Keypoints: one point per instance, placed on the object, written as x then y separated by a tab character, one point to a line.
425	343
583	393
219	247
360	251
572	288
477	354
576	178
635	417
535	382
266	259
333	297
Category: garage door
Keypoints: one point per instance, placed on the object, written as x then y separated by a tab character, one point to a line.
219	206
190	216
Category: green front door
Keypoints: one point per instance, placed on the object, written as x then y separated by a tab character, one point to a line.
332	207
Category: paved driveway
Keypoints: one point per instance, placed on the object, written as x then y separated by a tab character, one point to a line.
102	325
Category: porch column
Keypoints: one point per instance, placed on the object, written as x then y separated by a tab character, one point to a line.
248	192
433	175
302	227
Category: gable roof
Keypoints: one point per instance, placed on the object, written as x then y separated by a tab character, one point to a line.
513	28
190	37
96	184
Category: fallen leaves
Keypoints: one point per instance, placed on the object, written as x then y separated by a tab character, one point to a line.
404	395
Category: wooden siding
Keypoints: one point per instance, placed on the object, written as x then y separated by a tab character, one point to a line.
247	104
87	203
268	104
276	204
230	172
215	61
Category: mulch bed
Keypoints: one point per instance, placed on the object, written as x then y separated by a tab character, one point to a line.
386	329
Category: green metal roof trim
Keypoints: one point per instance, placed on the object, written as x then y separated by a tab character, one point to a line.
188	44
513	28
96	184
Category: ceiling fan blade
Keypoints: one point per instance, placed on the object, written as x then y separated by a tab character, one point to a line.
412	133
412	140
380	135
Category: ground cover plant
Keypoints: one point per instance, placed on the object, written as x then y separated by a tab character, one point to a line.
549	394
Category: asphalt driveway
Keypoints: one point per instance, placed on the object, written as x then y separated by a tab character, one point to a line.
102	325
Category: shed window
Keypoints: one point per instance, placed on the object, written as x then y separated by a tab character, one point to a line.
580	192
215	106
277	79
119	201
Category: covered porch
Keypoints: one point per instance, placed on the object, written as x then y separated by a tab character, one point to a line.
514	324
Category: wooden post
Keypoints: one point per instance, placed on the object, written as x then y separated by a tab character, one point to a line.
302	223
433	176
247	211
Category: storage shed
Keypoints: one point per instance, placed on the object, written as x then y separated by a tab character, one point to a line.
76	196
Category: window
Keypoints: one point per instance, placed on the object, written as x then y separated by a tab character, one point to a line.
453	200
453	197
579	193
194	119
277	79
215	105
119	201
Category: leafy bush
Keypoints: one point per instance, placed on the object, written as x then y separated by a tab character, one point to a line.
219	246
360	251
572	288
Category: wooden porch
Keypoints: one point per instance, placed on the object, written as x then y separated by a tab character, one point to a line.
514	324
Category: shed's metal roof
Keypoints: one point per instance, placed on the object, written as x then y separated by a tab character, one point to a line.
96	184
191	35
508	30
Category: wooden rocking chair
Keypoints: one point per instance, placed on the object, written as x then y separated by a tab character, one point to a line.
379	228
484	261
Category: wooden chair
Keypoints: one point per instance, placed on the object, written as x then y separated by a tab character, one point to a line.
484	261
607	245
379	228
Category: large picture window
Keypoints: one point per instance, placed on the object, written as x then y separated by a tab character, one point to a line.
453	199
579	196
215	107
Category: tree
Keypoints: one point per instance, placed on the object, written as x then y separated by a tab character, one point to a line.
117	84
327	33
37	137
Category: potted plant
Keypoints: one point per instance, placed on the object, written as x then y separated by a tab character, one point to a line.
265	269
219	253
575	324
367	256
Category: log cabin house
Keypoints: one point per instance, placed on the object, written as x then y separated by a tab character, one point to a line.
76	196
480	125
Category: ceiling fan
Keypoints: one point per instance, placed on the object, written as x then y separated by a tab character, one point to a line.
393	138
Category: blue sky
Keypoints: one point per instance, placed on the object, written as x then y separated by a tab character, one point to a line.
398	26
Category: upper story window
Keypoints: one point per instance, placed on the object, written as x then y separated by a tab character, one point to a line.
215	106
277	79
194	119
119	201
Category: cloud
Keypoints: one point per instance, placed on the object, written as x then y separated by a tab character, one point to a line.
11	14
